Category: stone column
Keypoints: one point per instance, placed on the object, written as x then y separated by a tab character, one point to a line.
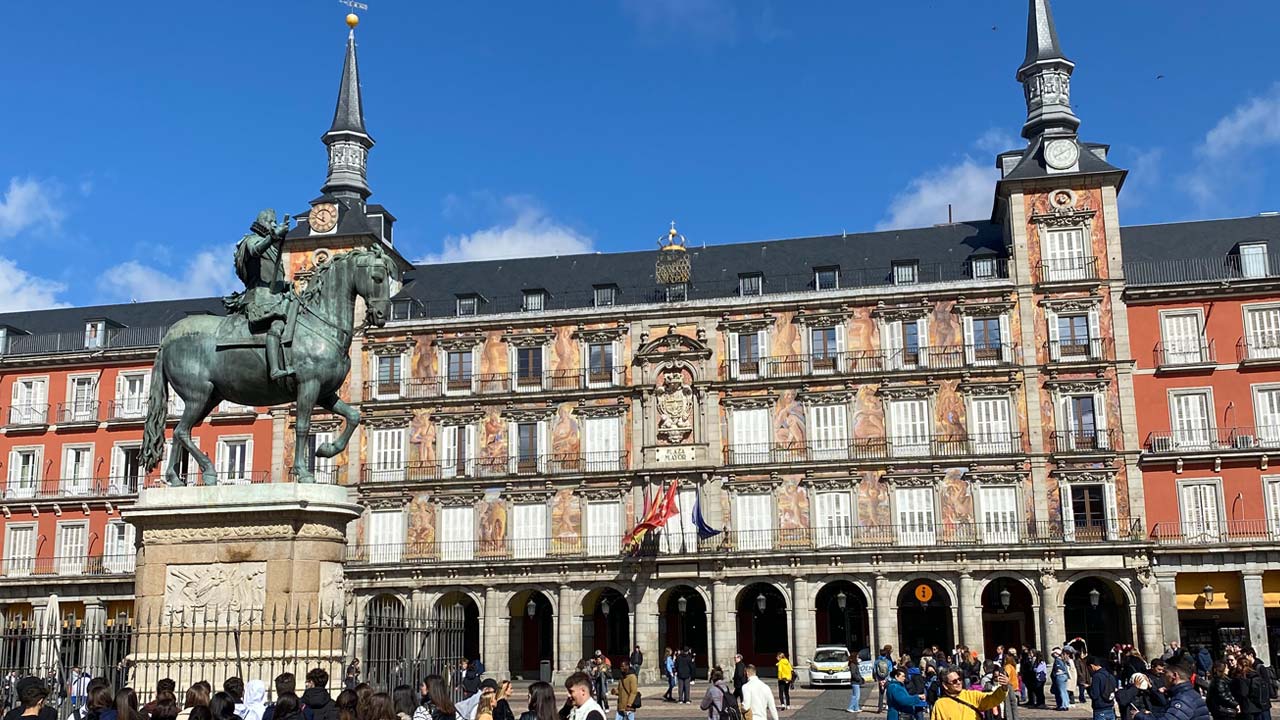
1256	613
1149	616
886	615
568	631
970	612
805	637
724	624
496	633
1051	630
95	620
1168	591
645	632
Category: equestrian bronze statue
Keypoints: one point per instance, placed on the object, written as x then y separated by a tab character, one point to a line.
276	347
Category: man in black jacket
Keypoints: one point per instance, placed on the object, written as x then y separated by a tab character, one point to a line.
636	660
1268	678
739	676
316	697
1185	702
1102	690
684	673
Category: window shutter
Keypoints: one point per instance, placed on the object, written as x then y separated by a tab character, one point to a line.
968	340
1273	505
458	524
841	343
448	450
922	339
469	449
763	352
1006	342
541	445
513	447
1109	504
530	530
733	355
999	514
1095	335
891	344
1068	512
1055	349
221	463
615	362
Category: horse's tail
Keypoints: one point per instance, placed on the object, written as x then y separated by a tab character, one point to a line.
157	413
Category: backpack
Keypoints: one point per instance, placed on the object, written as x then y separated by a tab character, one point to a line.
881	669
731	710
1273	685
1261	689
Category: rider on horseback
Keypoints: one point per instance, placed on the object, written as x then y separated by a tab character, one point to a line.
265	300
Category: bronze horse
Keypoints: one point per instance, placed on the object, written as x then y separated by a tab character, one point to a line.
208	359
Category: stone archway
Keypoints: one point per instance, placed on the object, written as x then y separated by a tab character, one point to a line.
924	617
683	622
762	626
840	612
531	634
606	624
1097	609
385	634
457	601
1008	615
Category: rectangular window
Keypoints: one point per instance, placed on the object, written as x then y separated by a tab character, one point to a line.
825	349
915	516
386	455
1082	423
323	469
604	534
606	295
70	552
905	344
131	395
118	550
126	469
999	505
746	346
457	533
753	520
468	306
1073	336
1182	340
529	368
77	470
750	436
19	550
24	472
749	285
990	430
235	463
983	268
1064	255
677	292
602	444
600	364
1266	414
834	516
1254	262
987	340
826	278
534	301
909	424
389	377
94	334
906	273
529	536
828	432
527	447
29	402
1090	514
1190	416
386	536
680	535
1271	492
82	400
1262	332
457	450
1200	506
458	369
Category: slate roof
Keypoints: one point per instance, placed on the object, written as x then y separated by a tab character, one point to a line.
863	258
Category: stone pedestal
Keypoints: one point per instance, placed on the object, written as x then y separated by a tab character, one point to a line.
240	579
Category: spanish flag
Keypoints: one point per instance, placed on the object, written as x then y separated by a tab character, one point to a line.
662	509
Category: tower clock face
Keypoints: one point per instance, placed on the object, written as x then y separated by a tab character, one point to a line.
1061	154
323	217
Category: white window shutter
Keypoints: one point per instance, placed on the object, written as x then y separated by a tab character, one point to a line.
1068	512
1095	334
733	355
1113	515
1006	342
1051	320
841	343
615	368
541	445
968	340
891	344
448	450
1273	505
763	352
513	447
1100	419
922	340
469	448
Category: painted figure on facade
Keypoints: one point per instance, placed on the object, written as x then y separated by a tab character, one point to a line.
265	301
208	359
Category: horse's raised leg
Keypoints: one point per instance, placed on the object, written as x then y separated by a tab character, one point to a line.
334	404
193	411
307	392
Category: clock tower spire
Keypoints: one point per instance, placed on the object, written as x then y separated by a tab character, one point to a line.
1045	75
347	140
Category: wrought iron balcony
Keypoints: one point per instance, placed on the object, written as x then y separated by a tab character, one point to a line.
1259	348
74	341
490	467
72	488
868	362
1212	439
1211	531
70	566
1179	354
1068	269
493	383
1200	270
1083	441
28	416
127	409
1079	351
872	449
79	411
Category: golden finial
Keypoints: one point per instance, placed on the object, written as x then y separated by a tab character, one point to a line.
673	239
352	20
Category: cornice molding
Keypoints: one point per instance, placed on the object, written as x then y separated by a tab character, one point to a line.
514	414
1086	475
907	392
596	335
824	318
531	339
457	342
384	422
892	313
748	402
392	347
741	325
600	411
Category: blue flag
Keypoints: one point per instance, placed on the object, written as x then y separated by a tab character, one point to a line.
704	530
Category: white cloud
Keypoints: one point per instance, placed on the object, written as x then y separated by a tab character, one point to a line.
210	272
709	21
27	203
1227	165
20	290
529	233
996	141
967	186
1254	124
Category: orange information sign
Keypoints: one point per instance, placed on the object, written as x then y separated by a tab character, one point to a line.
924	593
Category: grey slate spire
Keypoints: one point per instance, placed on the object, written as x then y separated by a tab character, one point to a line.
347	139
1046	76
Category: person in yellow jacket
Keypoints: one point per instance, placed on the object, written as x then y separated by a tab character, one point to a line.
785	675
956	703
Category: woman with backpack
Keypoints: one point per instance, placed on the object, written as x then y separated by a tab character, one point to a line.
1248	688
713	702
1221	701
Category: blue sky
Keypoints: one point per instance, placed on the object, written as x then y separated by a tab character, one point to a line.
141	138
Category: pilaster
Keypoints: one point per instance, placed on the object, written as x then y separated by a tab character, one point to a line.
724	623
646	633
885	613
804	636
1051	627
1256	613
970	613
1168	598
1150	616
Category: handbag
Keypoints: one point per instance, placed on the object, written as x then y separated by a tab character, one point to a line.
635	702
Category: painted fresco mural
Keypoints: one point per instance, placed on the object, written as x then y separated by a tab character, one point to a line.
492	437
945	327
793	504
789	421
566	522
421	526
423	437
565	434
955	498
868	414
1038	203
491	526
948	409
784	336
875	506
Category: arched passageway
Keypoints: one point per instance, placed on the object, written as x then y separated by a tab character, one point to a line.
682	622
449	606
1097	610
924	617
606	625
385	637
842	618
531	634
762	627
1008	615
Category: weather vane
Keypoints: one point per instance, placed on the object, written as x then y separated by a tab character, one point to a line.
354	5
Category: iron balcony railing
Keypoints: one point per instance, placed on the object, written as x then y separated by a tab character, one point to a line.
1201	269
69	566
78	411
75	341
1180	353
75	488
1085	350
870	449
676	544
1068	269
130	408
1210	530
978	270
870	361
28	415
1264	346
491	467
494	383
1212	439
1083	441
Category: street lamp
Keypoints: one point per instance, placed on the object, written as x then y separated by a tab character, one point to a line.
1208	594
531	608
604	607
761	601
682	604
842	600
1005	598
1095	597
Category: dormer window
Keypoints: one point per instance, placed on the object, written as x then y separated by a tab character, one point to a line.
94	334
534	300
1254	262
606	295
677	292
906	272
982	268
826	278
750	284
468	305
4	340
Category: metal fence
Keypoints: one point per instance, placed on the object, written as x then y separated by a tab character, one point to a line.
395	645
